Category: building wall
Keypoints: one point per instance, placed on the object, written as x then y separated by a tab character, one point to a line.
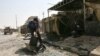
93	27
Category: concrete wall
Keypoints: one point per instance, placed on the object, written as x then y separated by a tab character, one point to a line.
96	8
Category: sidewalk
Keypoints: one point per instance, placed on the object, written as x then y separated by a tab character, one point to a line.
83	46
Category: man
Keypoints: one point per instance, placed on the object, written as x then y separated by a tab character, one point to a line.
34	28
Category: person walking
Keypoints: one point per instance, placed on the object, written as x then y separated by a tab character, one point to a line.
34	28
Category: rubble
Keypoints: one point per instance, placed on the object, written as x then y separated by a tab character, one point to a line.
82	45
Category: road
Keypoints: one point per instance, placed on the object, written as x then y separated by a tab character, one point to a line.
13	45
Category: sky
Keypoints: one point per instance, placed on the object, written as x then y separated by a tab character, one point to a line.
22	9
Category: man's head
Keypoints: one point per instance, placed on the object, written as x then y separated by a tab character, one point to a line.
35	19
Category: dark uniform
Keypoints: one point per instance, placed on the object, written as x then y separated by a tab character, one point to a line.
33	28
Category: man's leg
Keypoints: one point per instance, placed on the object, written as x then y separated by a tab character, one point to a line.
39	37
31	39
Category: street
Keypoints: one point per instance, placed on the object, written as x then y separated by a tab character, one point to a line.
13	45
50	28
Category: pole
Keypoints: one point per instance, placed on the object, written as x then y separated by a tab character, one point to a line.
16	21
48	21
48	13
18	29
43	14
84	14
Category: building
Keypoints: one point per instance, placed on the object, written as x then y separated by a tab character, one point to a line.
85	13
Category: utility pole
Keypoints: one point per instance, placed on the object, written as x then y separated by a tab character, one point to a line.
43	14
16	21
18	29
